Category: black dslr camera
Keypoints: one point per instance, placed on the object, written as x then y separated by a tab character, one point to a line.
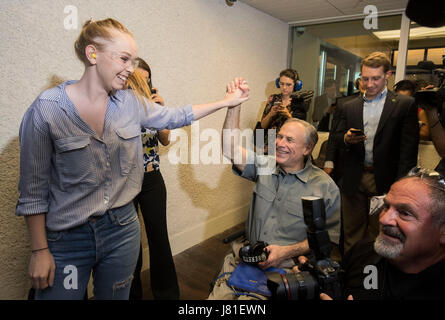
254	253
321	273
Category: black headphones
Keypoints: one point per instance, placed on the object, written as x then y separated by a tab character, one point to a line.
298	83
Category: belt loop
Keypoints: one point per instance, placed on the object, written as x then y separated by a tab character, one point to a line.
111	215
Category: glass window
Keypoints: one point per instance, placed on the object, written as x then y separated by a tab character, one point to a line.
327	57
436	55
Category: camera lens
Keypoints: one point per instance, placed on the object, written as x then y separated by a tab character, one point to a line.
293	286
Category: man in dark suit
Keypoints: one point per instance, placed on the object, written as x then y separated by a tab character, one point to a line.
333	164
381	135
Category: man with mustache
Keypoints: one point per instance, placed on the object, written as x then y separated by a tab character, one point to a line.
276	213
409	252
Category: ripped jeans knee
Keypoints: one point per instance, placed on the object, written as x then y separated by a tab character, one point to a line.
121	285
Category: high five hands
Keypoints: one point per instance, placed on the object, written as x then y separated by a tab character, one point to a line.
237	92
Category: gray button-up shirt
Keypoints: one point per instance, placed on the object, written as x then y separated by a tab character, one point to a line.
276	210
70	173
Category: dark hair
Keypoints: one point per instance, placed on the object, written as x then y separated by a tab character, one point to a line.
420	83
357	83
405	85
291	74
144	65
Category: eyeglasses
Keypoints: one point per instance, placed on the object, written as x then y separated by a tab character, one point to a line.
373	79
429	177
124	60
376	204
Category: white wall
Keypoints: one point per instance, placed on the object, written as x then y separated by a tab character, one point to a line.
194	48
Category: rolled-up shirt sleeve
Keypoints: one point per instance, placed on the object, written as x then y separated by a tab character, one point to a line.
256	165
35	163
249	172
157	117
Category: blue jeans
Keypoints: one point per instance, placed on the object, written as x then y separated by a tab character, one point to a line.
108	246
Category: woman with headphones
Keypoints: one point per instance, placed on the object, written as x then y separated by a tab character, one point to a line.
287	104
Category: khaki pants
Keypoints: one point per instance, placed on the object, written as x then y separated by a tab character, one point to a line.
221	291
357	223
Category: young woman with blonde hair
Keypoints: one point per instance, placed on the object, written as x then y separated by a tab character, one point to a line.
80	168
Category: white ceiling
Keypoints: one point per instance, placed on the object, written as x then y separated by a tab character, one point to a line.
294	11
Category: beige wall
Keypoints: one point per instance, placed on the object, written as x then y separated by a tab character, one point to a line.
194	48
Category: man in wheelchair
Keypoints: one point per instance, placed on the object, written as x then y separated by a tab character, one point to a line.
275	226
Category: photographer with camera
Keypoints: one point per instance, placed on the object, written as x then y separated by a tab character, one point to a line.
408	88
407	260
437	131
432	101
276	212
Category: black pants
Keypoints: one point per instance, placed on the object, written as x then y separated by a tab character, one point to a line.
152	200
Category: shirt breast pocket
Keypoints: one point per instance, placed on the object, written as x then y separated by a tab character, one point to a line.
264	192
292	220
128	146
264	198
75	162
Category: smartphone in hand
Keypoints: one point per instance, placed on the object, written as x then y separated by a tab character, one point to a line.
357	132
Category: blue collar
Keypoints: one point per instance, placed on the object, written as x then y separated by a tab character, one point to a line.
380	96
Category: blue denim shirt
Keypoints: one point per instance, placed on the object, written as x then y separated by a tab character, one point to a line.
70	173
